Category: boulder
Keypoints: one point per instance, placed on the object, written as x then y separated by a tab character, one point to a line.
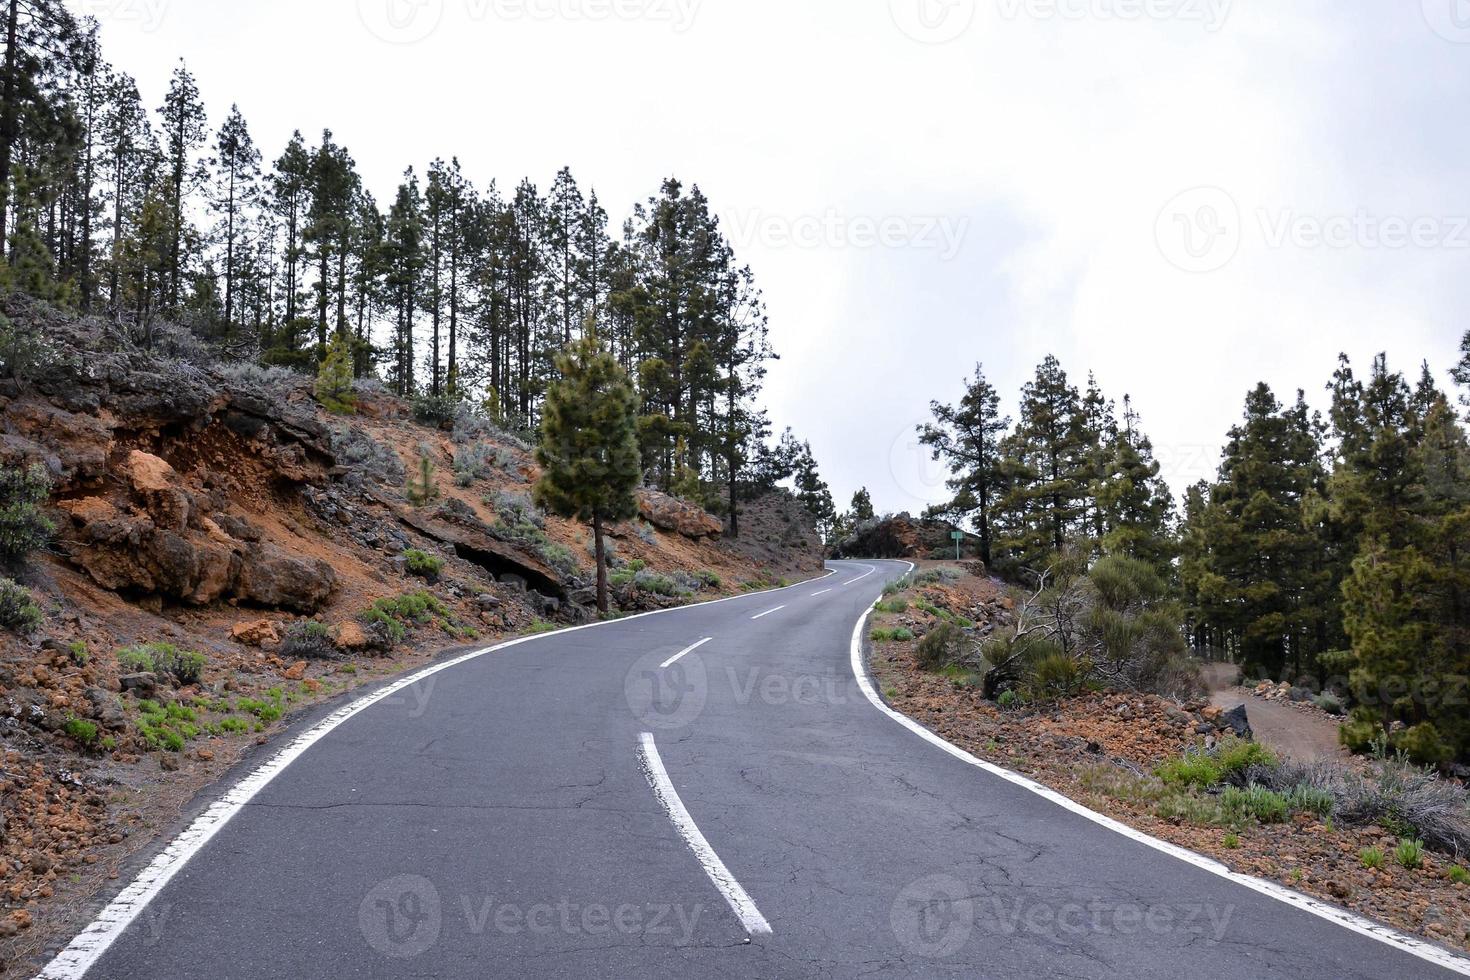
679	516
260	633
1237	721
296	671
139	685
270	577
351	636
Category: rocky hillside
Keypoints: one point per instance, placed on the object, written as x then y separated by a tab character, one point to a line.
904	536
226	553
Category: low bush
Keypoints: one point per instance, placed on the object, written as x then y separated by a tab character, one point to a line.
78	652
1056	675
892	634
81	730
423	564
308	640
893	606
941	646
1256	803
23	528
1195	769
1330	703
184	666
1409	801
18	612
1372	857
436	411
1458	874
708	579
389	619
1410	854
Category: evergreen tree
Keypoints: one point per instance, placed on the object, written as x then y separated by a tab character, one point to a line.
862	506
589	446
290	194
334	377
1045	463
968	438
185	130
1134	502
236	191
814	493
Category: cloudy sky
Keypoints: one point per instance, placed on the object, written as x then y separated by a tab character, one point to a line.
1184	196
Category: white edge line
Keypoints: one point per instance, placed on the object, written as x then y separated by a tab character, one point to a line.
870	570
738	898
1389	937
769	612
88	946
683	653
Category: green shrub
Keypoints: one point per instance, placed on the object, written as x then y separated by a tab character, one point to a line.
1011	699
1410	854
389	619
1423	744
893	606
1232	841
1458	874
422	489
81	730
941	646
23	528
1309	799
1372	857
895	634
1195	769
18	613
1056	675
1330	703
436	411
185	666
308	640
78	652
334	378
708	579
1257	803
423	564
1237	756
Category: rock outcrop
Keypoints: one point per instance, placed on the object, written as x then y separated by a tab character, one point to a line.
678	516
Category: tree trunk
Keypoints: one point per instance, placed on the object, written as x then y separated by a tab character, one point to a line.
9	120
601	549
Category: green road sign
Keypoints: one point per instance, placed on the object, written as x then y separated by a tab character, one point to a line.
957	535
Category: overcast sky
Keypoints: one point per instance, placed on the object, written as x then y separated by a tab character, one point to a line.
1184	196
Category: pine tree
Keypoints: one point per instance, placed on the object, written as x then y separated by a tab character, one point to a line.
814	493
968	439
290	194
185	129
862	506
1045	463
1135	504
1249	568
334	377
589	447
236	167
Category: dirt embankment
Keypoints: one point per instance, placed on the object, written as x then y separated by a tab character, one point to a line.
1103	749
221	512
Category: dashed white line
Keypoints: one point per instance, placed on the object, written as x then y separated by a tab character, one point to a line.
768	612
823	592
663	788
88	946
683	653
870	571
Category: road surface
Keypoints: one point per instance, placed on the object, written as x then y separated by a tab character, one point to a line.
701	793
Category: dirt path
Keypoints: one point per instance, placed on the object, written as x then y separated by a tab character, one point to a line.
1288	730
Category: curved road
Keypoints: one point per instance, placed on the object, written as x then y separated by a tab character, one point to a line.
587	805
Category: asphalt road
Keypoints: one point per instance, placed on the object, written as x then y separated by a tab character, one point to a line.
510	817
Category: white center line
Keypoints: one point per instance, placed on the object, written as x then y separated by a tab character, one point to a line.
768	612
870	571
739	899
823	592
684	653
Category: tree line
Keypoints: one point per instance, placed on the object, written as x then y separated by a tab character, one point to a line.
1329	550
449	292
